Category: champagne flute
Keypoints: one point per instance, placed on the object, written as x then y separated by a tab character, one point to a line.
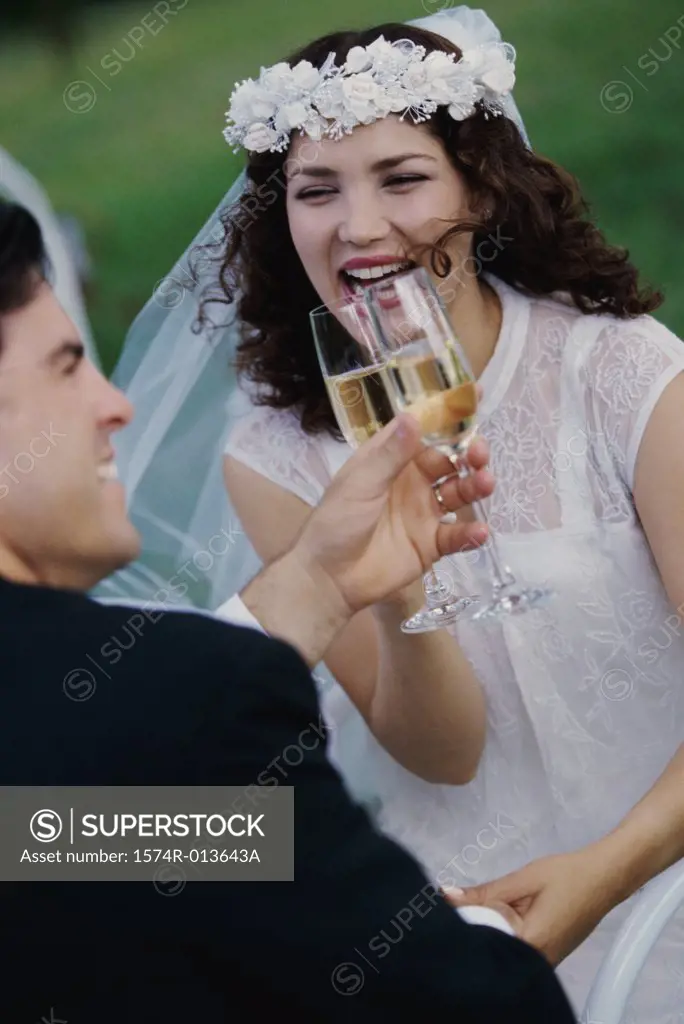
353	363
427	374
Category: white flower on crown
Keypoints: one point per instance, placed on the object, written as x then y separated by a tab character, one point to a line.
462	100
291	115
251	102
329	99
396	98
381	51
277	78
492	66
362	96
305	75
444	79
359	59
439	65
375	81
392	59
259	137
315	126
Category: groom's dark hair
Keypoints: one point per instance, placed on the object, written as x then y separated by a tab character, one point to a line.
23	259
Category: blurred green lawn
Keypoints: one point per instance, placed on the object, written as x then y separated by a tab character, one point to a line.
147	164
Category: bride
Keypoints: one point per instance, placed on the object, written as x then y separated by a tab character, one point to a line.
580	781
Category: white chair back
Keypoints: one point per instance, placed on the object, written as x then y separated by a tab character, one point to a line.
618	974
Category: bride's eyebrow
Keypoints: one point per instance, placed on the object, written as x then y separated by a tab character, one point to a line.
386	164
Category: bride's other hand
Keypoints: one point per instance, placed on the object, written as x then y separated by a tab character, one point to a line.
559	899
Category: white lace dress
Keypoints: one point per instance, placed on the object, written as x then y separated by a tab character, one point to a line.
585	697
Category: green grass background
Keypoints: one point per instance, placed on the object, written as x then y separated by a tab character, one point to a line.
147	164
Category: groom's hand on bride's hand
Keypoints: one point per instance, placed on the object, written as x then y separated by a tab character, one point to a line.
378	527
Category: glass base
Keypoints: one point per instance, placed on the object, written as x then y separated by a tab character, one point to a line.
512	599
428	619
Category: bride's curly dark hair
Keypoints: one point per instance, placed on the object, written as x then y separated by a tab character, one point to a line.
552	245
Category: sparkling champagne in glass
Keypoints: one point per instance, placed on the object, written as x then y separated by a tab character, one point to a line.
427	375
352	364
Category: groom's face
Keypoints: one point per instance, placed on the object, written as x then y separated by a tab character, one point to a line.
62	511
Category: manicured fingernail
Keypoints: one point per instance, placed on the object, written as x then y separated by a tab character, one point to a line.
404	428
405	424
392	432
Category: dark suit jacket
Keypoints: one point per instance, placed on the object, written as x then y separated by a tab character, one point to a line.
193	701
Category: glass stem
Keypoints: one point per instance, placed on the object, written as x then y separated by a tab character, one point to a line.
434	590
502	575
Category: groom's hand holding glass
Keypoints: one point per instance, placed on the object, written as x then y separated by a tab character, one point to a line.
378	529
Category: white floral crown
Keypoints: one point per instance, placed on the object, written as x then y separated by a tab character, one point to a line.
377	80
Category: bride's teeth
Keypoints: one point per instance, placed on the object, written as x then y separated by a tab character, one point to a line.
107	471
368	273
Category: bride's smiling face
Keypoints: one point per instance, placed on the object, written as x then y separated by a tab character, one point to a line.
366	201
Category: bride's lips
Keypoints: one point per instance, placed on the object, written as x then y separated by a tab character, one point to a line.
361	273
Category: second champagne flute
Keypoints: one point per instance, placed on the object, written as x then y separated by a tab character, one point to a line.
351	362
427	375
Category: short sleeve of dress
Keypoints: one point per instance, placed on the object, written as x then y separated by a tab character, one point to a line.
272	442
628	366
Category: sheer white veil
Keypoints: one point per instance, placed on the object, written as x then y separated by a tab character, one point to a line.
19	186
187	401
186	398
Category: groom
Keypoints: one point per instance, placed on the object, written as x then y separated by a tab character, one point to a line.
197	702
